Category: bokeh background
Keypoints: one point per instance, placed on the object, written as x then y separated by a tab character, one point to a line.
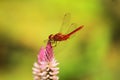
93	54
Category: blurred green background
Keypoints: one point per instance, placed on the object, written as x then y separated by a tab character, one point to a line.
93	54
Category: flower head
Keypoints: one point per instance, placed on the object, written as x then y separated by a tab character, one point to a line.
46	66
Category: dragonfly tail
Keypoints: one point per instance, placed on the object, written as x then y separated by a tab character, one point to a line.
74	31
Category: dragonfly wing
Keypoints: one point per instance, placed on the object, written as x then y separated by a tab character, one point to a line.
45	41
72	27
65	23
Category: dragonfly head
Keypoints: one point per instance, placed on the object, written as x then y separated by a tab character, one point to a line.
50	37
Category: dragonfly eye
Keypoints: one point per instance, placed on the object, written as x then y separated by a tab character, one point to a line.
50	36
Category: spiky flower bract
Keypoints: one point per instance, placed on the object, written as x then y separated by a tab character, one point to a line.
46	66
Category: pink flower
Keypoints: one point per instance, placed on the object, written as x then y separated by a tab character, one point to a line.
46	66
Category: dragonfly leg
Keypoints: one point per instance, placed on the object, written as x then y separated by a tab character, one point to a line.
54	43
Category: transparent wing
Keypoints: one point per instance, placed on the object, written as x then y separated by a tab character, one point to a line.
45	41
65	23
72	27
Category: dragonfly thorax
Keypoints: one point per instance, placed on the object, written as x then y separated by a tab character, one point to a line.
58	37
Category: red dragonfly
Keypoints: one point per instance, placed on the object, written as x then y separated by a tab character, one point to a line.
54	38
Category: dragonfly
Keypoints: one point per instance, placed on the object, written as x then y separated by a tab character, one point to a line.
54	38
